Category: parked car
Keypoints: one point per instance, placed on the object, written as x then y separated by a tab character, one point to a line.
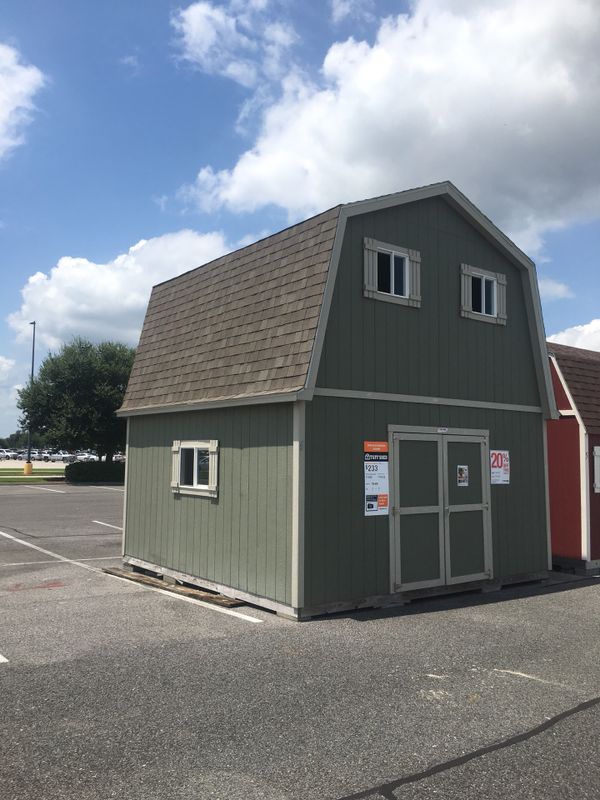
62	455
4	453
119	457
84	455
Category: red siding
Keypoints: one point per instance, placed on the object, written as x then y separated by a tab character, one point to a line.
562	401
564	487
594	441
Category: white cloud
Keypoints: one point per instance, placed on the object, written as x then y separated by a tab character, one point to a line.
551	289
6	368
79	297
586	336
502	97
236	40
18	85
132	62
341	10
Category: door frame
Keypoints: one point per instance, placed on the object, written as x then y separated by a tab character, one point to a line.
411	432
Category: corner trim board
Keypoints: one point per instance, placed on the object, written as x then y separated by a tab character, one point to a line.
356	394
298	475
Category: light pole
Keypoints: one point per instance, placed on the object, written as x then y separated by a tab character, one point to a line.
28	469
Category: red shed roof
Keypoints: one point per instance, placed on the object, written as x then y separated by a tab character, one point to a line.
581	371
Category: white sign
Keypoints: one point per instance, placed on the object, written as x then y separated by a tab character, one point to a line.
500	466
462	475
376	463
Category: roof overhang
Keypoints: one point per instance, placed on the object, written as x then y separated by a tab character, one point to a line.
254	400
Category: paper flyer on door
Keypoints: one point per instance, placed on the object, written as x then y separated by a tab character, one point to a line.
376	469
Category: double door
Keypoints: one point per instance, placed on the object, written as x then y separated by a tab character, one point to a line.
440	522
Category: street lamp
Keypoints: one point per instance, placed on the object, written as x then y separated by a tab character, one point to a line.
28	469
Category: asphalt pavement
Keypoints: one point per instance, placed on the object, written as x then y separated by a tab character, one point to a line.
112	690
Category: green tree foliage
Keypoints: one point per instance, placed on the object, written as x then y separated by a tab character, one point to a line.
73	399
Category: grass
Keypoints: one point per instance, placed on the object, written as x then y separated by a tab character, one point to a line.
14	475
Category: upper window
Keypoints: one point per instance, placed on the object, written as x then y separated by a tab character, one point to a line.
392	273
483	294
195	467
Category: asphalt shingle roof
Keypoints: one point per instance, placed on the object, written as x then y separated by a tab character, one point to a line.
581	371
240	326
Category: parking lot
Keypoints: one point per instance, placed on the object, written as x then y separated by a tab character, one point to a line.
110	689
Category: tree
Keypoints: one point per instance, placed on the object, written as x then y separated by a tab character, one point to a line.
73	399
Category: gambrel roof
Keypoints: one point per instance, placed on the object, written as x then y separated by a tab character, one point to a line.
249	326
581	372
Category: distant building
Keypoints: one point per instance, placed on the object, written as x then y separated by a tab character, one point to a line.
574	458
346	413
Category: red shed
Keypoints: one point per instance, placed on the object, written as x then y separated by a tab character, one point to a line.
574	458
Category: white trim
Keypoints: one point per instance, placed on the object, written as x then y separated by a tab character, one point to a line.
175	408
584	494
298	475
125	487
209	489
356	394
227	591
596	456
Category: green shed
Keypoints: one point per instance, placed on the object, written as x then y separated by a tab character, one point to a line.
348	413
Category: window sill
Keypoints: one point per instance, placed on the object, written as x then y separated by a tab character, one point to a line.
412	302
197	491
483	317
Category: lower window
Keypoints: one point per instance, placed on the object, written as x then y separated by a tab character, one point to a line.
195	467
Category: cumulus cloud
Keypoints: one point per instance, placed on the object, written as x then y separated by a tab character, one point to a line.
79	297
19	83
236	40
342	10
586	336
551	289
6	368
501	97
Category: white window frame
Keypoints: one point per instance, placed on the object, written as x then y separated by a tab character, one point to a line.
498	279
412	273
209	489
596	469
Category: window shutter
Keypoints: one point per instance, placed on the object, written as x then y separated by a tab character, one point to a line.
597	470
501	298
414	280
213	465
175	464
370	268
466	298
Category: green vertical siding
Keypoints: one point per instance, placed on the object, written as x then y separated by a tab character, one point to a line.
241	539
432	351
346	554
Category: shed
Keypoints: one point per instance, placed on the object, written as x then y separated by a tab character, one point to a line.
574	458
348	413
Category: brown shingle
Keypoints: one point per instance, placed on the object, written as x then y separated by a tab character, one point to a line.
581	371
241	326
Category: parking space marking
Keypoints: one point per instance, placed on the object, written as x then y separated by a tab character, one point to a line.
109	488
108	525
531	677
43	489
3	660
51	561
66	560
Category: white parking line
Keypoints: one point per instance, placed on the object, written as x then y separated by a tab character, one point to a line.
51	561
531	677
107	524
43	489
58	557
110	488
3	660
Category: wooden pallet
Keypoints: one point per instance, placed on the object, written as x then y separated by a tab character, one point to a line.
187	591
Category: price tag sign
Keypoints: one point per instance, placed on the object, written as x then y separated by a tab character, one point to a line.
500	466
376	467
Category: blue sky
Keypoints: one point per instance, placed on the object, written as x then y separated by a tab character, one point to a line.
140	139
